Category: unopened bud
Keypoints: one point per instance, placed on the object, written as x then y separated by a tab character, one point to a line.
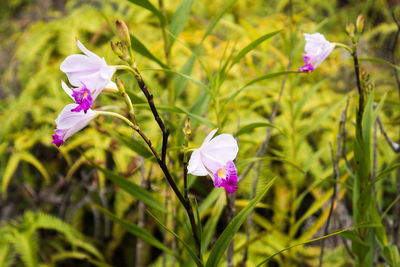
120	85
360	23
350	29
123	32
186	128
116	49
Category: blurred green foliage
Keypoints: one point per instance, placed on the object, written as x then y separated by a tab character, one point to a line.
37	177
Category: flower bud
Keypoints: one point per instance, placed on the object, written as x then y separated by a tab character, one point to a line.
186	128
120	85
123	32
350	29
360	23
116	49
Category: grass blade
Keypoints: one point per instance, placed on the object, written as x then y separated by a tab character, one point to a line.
132	188
225	238
149	6
135	230
179	20
185	245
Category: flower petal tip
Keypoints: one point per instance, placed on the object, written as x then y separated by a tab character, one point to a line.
57	140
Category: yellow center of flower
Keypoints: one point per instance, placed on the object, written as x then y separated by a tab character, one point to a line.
85	94
221	173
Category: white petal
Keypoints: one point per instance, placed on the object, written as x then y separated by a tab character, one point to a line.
211	163
68	119
223	148
208	138
83	121
86	51
66	89
80	63
111	85
195	165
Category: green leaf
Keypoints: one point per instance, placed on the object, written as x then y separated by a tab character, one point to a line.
179	20
76	255
251	126
258	79
209	228
382	174
199	107
25	156
12	165
382	61
185	245
132	188
136	230
300	244
26	246
180	81
251	46
135	145
6	255
139	47
359	247
149	6
305	99
226	237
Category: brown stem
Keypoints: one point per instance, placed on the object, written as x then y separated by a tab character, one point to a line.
174	187
157	117
393	145
336	177
185	172
162	160
359	88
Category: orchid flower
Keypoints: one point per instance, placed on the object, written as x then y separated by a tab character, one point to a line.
87	70
69	122
317	49
215	158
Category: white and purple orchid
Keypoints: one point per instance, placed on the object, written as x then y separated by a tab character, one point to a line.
317	49
215	158
88	73
70	122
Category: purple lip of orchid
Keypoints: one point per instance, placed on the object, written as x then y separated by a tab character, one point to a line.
226	177
58	137
215	158
308	67
83	98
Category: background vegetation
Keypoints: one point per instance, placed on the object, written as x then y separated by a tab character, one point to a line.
65	206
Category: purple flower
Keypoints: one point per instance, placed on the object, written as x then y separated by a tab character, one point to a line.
215	158
89	69
81	95
317	50
69	122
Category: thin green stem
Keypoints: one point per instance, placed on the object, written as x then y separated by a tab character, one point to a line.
116	115
348	48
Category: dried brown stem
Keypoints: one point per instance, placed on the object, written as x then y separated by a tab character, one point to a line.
393	145
335	157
